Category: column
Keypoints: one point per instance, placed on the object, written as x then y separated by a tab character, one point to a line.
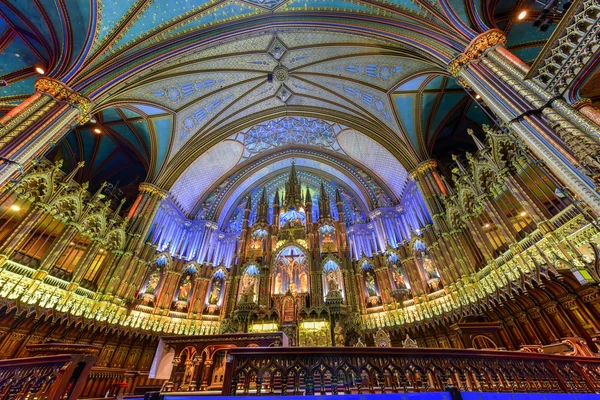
508	98
35	125
141	217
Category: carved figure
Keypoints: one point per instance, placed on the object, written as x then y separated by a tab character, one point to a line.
153	282
398	278
215	292
184	289
338	335
248	282
370	284
303	283
278	284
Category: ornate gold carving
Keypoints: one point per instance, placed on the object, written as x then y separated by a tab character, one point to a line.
476	48
62	92
423	168
153	190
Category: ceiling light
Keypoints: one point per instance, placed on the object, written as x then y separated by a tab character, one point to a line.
522	15
40	70
15	207
486	225
72	243
93	120
97	130
523	213
477	97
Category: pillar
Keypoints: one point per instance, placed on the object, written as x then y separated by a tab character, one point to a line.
485	68
31	128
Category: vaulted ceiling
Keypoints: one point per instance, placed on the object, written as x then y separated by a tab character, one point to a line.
212	99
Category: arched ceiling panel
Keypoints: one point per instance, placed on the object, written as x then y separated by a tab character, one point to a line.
204	172
376	158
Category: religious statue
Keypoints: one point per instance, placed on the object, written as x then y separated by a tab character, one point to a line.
278	285
184	289
303	283
327	238
398	278
430	268
370	284
215	292
153	282
338	335
332	284
248	282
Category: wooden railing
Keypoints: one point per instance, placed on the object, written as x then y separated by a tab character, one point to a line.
105	382
343	370
47	377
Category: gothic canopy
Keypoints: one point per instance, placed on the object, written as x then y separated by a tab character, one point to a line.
213	99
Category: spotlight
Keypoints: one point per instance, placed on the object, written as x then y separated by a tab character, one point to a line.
72	244
477	97
522	14
538	21
15	207
523	213
97	130
40	70
486	225
93	120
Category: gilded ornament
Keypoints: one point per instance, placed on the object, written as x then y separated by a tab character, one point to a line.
153	190
476	48
63	93
423	168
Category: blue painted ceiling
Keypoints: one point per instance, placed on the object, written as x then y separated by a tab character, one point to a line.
164	85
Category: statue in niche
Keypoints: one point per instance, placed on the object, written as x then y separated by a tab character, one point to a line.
332	284
398	277
382	199
215	292
370	284
153	282
184	289
248	282
278	284
303	283
430	268
338	335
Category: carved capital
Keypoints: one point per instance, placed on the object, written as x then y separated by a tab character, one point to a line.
62	92
590	295
550	307
584	102
476	48
534	312
152	190
423	168
569	301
